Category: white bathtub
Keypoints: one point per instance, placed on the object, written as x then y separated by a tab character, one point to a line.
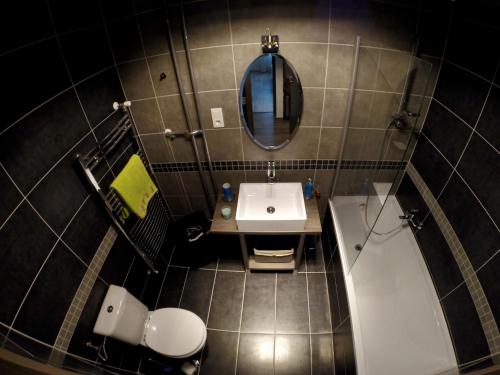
397	321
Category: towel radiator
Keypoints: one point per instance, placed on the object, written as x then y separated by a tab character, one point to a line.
147	236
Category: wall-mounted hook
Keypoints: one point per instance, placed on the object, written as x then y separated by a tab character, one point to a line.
162	76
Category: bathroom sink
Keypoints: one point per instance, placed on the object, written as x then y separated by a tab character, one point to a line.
271	207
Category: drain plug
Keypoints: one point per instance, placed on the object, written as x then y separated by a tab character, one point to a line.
358	247
270	210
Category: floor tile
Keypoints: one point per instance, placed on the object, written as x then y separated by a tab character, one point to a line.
322	354
292	314
219	355
292	355
314	255
197	292
255	354
225	310
318	303
258	306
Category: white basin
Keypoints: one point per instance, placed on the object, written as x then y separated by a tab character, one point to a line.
287	199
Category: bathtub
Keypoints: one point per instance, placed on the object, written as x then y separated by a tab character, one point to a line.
397	322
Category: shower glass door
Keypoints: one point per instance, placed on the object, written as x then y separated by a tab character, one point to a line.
389	101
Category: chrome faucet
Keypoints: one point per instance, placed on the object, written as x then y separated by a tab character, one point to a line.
271	172
411	219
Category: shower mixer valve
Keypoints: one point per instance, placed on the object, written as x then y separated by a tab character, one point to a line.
411	219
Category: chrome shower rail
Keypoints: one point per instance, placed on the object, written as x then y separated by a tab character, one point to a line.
146	236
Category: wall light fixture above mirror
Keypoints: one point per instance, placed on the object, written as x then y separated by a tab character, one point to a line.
271	101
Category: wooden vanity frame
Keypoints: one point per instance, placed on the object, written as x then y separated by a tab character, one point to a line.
228	226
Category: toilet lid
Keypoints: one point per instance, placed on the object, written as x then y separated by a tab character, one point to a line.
175	332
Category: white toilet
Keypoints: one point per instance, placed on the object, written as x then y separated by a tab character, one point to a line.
173	332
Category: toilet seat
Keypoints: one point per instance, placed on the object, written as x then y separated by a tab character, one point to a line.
175	333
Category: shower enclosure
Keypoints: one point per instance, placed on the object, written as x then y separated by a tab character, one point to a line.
386	105
398	326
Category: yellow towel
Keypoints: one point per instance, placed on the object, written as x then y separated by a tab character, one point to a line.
134	186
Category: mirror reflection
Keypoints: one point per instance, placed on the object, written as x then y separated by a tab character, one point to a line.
271	101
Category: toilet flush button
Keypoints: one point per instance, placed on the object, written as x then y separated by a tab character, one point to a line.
217	117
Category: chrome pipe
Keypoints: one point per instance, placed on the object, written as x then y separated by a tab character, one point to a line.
196	97
186	111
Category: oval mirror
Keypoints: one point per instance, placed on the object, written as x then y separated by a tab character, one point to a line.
271	101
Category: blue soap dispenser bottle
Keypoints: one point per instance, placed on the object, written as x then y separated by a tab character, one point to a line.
308	189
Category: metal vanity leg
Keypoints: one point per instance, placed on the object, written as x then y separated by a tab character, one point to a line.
300	249
244	250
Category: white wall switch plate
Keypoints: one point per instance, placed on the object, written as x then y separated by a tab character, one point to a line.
217	118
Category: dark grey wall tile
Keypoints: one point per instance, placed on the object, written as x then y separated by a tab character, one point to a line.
330	141
243	57
83	332
116	9
433	27
26	242
147	116
98	93
488	276
51	295
87	229
136	80
118	261
464	325
219	355
125	39
313	106
311	72
172	111
197	292
86	52
207	24
213	68
488	122
448	133
471	37
24	23
375	23
154	284
10	197
479	168
392	70
426	155
33	145
473	227
25	88
224	144
156	148
409	197
227	100
225	310
60	194
75	15
249	20
442	266
154	32
163	64
461	91
169	183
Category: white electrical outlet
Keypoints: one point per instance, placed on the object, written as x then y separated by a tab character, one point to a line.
217	118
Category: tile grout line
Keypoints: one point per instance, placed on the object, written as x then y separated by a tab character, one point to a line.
241	321
324	88
308	314
275	322
235	80
208	313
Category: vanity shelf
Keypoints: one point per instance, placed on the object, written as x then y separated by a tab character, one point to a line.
229	226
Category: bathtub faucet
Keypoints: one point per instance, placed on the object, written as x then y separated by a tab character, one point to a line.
411	219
